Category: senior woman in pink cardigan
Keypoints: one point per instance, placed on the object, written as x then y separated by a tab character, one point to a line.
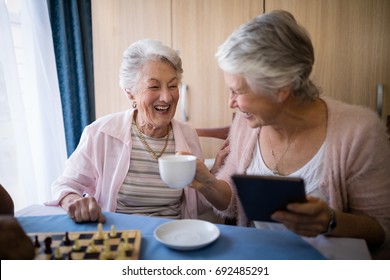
115	166
284	128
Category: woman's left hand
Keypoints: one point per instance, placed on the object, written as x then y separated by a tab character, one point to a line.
221	156
307	219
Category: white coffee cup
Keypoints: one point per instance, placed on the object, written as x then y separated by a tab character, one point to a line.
177	171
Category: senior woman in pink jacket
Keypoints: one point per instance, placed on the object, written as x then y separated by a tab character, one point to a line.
115	166
284	128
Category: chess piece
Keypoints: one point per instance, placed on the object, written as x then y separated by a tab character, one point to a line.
48	245
36	243
67	241
106	254
100	234
57	254
113	232
121	252
92	248
76	246
107	246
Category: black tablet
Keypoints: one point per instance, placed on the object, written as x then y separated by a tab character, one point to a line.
261	196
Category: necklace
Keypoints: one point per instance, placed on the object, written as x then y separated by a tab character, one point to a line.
275	170
145	143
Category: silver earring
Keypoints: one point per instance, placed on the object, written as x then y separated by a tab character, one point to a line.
134	105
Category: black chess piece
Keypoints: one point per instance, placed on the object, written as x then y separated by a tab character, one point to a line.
48	245
67	240
36	243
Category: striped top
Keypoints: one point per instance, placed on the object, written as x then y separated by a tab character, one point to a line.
143	192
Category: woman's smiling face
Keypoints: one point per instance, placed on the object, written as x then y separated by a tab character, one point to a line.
157	94
258	109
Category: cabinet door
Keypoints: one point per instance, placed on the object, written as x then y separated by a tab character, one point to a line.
351	39
194	27
115	25
198	28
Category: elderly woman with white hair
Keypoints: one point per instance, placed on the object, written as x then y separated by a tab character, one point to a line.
115	166
284	128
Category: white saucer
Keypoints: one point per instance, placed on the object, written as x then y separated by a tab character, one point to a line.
186	234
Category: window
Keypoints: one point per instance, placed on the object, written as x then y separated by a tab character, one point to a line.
32	141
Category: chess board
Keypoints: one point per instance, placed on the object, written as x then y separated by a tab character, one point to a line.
102	245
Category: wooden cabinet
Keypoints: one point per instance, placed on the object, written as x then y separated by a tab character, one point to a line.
194	27
198	28
115	25
351	40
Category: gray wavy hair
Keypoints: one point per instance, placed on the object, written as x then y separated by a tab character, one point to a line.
141	52
271	52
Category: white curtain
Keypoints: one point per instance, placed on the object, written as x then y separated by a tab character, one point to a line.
32	140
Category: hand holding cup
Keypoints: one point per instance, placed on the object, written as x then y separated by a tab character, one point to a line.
177	171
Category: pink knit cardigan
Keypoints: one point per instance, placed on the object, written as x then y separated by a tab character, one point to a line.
101	161
356	175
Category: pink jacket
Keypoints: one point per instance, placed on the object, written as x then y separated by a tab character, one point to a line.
101	161
356	176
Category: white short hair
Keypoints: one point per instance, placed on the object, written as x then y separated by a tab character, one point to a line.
271	52
141	52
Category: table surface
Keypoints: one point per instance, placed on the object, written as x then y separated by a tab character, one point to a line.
233	243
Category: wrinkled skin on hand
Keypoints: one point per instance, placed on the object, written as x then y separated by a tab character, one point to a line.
307	219
85	209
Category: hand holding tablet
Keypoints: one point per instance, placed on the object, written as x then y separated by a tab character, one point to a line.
261	196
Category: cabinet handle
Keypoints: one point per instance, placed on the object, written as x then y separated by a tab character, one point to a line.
183	93
379	98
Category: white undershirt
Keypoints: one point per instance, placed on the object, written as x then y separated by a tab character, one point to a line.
311	173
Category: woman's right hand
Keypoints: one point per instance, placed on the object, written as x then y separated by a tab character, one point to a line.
82	209
217	192
221	156
202	174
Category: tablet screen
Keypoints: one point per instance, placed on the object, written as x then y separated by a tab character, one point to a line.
261	196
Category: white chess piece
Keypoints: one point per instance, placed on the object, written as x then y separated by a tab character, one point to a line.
106	254
92	248
121	252
113	232
100	231
58	254
76	245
